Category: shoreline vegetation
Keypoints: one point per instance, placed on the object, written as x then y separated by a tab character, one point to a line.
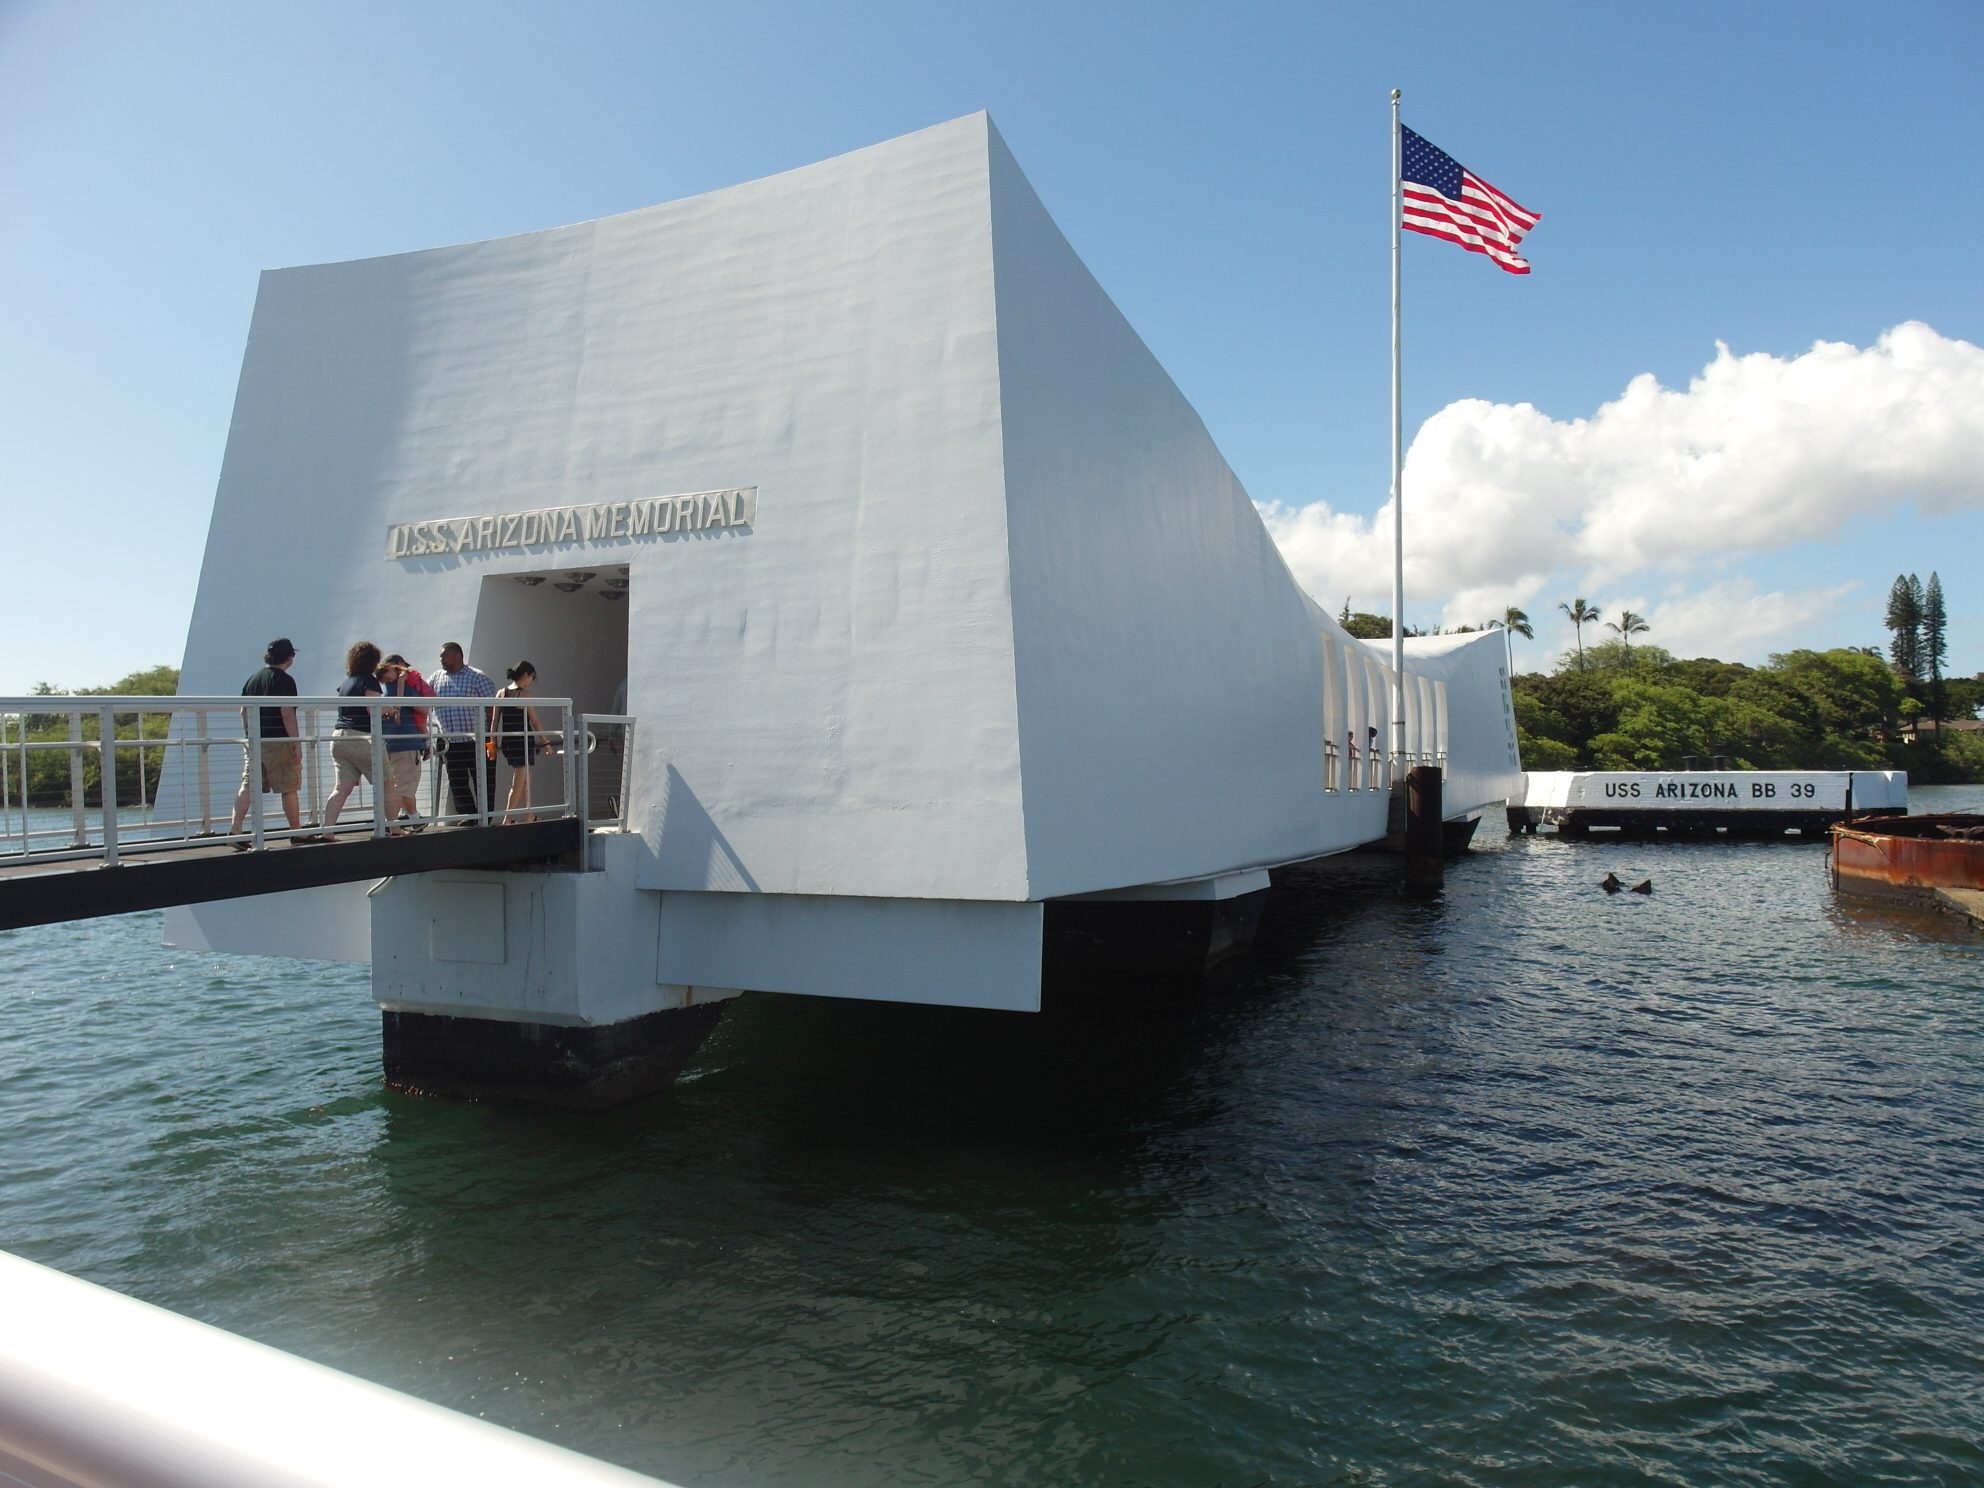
1842	709
48	781
1616	705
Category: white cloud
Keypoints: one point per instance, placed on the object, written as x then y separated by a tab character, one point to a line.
1730	619
1756	454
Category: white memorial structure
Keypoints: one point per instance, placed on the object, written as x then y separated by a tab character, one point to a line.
944	619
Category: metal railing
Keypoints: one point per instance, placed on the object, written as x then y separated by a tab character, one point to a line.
1404	759
89	777
603	768
1369	767
99	1388
1368	763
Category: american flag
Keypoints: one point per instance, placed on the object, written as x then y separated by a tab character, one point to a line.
1444	201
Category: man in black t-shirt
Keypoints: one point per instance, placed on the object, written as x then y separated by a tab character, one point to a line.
275	730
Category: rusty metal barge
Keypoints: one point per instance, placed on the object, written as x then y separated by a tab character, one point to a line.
1924	859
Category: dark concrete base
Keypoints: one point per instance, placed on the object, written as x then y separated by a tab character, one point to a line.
1425	858
1456	835
1572	821
1146	938
589	1066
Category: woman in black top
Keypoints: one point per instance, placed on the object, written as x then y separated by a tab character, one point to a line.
521	735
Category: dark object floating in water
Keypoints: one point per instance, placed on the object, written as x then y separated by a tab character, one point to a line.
1610	883
1644	886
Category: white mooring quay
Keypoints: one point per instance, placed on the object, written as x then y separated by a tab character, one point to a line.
954	643
1704	803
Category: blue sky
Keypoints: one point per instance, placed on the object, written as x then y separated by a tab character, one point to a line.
1755	175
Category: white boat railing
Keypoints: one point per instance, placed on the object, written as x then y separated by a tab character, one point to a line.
97	1388
101	777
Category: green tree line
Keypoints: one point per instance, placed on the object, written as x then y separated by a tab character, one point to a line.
48	781
1617	705
1639	708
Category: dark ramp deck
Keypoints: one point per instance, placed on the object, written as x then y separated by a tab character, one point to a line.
195	873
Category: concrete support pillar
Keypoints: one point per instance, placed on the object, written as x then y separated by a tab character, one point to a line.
589	1065
1425	860
532	986
1155	931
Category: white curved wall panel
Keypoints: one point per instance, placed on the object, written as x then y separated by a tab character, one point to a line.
1001	626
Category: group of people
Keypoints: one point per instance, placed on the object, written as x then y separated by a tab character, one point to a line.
507	725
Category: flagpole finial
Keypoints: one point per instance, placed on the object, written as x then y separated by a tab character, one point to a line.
1397	95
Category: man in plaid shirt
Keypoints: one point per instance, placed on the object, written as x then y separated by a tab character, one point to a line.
462	752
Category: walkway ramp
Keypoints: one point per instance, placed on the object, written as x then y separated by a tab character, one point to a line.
192	873
115	804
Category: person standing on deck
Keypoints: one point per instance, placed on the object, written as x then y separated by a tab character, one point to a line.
351	740
406	743
521	735
282	756
462	752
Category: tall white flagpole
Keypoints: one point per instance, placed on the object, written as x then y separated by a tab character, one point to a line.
1398	492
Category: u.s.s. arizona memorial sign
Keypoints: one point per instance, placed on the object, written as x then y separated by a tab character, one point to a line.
559	526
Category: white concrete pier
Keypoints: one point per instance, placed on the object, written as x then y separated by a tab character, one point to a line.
1700	803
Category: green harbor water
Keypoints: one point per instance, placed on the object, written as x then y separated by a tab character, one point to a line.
1523	1184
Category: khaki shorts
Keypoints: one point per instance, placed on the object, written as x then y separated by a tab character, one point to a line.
282	768
405	764
353	755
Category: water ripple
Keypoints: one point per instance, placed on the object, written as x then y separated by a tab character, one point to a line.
1527	1185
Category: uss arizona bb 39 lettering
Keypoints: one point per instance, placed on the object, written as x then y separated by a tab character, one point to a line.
1709	790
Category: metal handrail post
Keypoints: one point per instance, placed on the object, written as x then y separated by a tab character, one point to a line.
570	772
76	791
256	825
626	768
584	770
310	725
106	766
483	766
27	844
377	711
138	734
206	785
437	741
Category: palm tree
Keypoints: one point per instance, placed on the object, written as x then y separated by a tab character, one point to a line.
1581	614
1628	626
1517	622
